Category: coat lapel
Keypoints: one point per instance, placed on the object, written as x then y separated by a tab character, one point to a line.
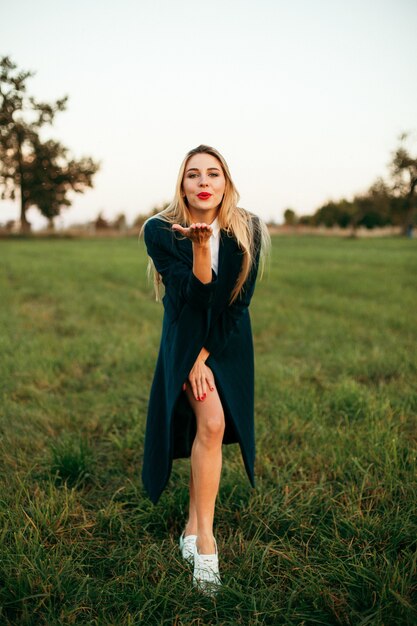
230	260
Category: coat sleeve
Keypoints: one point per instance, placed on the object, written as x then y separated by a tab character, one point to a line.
228	321
181	284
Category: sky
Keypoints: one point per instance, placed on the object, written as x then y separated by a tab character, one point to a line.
305	100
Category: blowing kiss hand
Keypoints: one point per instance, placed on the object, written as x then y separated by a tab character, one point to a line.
198	233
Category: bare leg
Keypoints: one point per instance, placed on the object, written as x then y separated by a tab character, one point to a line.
206	464
191	526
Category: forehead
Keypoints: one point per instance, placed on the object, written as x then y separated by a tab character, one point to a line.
203	161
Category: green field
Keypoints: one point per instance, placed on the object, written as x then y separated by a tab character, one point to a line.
329	534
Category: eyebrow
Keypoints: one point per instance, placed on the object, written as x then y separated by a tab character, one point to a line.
197	170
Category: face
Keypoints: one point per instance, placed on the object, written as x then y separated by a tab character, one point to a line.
203	183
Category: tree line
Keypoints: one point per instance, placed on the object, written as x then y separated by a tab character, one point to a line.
390	202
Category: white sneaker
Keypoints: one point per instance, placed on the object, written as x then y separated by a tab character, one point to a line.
187	545
206	575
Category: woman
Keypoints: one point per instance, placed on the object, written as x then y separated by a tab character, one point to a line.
205	250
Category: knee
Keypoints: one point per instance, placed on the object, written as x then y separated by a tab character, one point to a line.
212	429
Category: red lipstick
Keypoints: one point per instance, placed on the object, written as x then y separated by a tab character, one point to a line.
203	195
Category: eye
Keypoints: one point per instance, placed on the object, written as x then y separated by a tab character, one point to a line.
191	175
213	174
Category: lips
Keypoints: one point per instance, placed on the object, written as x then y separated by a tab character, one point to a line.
204	196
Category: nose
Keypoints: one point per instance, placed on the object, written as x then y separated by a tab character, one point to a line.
203	181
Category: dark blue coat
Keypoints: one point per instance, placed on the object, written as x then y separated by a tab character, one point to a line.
197	315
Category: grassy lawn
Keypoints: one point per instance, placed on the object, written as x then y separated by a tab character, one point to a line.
329	534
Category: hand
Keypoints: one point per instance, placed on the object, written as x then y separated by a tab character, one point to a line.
199	378
198	233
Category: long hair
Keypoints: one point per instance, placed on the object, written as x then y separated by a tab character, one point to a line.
237	222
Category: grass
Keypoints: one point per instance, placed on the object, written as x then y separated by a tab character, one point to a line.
329	534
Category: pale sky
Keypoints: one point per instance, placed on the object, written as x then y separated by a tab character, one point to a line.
305	99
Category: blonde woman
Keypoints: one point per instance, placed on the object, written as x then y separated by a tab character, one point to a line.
206	251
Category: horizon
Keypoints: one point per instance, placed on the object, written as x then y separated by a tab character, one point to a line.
305	102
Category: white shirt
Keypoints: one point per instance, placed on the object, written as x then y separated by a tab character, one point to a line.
214	244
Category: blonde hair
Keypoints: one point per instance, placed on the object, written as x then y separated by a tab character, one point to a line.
249	231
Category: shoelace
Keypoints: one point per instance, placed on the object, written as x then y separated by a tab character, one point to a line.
208	558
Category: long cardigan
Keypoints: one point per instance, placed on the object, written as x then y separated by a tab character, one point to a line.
197	315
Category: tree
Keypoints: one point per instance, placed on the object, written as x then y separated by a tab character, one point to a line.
120	223
101	223
403	170
50	175
40	173
290	217
306	220
370	209
334	214
373	208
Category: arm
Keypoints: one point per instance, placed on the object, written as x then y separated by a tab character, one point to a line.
199	234
202	262
182	284
200	376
